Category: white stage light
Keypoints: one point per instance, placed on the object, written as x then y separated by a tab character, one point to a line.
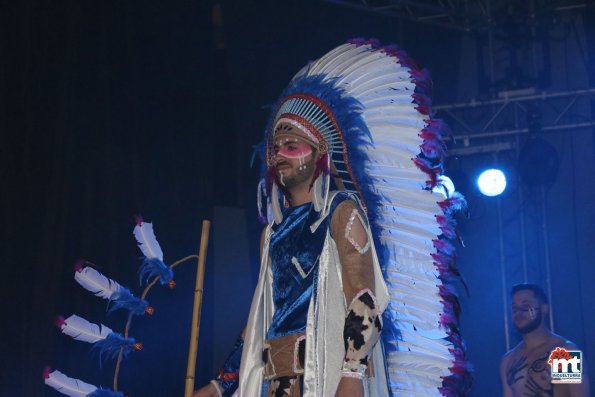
491	182
445	186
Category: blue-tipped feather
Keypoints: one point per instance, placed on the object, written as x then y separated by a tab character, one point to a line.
123	299
101	392
153	267
109	348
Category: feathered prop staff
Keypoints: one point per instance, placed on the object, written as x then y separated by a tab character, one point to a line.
104	340
111	344
103	287
152	265
74	387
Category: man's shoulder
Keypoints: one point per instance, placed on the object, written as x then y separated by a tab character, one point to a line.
515	351
342	203
563	342
347	203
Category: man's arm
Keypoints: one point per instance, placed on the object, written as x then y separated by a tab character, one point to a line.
506	389
351	238
357	274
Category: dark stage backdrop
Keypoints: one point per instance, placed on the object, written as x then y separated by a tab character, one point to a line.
109	109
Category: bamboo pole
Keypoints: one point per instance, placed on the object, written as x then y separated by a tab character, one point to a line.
192	352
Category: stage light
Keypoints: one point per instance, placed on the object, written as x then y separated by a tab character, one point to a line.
491	182
445	186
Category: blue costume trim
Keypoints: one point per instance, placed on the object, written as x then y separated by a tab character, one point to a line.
294	251
228	377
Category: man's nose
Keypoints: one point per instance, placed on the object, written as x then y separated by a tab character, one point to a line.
277	157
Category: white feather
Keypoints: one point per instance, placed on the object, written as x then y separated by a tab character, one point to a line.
83	330
91	280
69	386
147	242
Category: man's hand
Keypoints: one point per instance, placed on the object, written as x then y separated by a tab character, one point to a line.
350	387
209	390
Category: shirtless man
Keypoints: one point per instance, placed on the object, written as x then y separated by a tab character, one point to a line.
524	370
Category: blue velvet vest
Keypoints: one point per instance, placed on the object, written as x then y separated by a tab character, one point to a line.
294	251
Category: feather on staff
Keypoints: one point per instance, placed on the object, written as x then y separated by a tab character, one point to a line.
95	282
74	387
124	299
103	287
153	264
104	340
147	242
80	329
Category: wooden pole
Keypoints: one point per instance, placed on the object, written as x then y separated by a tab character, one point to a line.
202	255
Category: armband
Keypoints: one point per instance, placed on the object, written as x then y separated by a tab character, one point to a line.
361	332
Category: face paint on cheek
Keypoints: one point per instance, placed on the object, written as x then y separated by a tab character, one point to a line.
532	313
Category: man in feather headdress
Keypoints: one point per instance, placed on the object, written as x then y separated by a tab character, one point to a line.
345	175
294	254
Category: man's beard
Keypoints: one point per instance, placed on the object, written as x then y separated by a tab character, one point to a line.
532	325
296	178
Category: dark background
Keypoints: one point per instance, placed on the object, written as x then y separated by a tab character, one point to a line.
110	109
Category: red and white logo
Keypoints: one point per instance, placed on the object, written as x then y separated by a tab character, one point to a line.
566	365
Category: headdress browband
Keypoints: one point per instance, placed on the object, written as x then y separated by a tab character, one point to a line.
311	115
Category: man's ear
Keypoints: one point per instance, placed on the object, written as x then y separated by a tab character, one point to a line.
545	309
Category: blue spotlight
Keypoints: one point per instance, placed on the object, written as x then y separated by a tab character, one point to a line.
491	182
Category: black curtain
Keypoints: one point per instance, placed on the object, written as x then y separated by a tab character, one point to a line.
108	110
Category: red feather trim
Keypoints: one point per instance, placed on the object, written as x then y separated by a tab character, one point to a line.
322	167
433	171
454	203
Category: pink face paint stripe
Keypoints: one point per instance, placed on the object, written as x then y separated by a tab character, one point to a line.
300	152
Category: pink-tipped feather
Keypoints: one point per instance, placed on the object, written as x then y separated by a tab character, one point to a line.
79	265
59	321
